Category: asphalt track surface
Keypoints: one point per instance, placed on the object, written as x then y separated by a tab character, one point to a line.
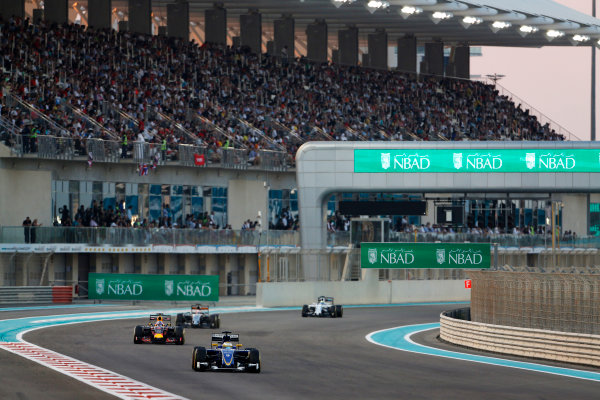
318	358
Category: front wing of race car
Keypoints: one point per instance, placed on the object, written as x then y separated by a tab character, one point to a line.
329	311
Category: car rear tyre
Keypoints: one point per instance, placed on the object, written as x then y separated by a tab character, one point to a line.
179	335
254	358
304	310
213	322
218	321
339	310
137	334
179	321
198	356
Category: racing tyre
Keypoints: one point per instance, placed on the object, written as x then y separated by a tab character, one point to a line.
179	321
332	312
217	321
304	310
179	335
213	322
137	334
339	311
254	358
199	355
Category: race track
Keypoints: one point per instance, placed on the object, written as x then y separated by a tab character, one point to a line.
302	358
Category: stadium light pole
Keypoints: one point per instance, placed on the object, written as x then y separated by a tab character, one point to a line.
593	94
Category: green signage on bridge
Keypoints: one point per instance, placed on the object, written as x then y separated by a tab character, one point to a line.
424	255
153	287
476	160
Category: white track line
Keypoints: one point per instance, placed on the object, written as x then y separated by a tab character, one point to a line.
100	378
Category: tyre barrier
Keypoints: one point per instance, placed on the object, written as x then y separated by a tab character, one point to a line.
534	343
36	294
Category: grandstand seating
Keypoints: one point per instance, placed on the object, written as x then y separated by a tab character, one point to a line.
84	85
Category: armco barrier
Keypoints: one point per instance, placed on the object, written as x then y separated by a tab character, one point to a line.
62	294
537	343
26	294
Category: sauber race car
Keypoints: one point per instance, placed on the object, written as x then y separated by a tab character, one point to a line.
159	330
199	317
324	307
226	353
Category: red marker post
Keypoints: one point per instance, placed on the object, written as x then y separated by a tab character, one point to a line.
467	284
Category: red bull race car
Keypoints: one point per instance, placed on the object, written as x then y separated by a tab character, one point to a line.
159	330
226	353
199	317
324	307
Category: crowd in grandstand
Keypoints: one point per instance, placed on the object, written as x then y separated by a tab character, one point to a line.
139	88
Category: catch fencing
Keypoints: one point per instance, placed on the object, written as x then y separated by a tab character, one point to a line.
556	302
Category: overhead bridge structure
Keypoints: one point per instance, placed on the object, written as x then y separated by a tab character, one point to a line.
468	168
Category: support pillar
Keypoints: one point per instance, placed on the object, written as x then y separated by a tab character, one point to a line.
9	8
378	49
38	15
100	14
348	46
125	263
251	31
215	25
284	37
56	11
316	41
407	54
149	264
434	58
231	274
72	275
140	16
249	274
123	26
178	20
462	58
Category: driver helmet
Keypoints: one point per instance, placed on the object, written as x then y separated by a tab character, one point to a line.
227	345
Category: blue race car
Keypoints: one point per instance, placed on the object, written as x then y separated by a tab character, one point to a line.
226	353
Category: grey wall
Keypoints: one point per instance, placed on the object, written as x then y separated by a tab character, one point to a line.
178	20
99	14
348	46
434	58
215	25
139	16
316	41
407	54
251	31
8	8
378	50
284	36
56	11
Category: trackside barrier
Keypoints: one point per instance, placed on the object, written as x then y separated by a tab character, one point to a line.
26	294
62	294
536	343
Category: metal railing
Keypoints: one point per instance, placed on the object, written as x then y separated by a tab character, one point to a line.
61	148
103	150
272	160
234	158
188	152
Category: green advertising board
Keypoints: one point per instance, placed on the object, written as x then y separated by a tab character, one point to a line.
476	160
153	287
424	255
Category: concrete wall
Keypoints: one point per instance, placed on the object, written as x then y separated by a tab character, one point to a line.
99	14
316	41
244	199
56	11
139	16
178	20
25	193
8	8
215	22
274	294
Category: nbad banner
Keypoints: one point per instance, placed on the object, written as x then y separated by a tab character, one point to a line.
425	255
153	287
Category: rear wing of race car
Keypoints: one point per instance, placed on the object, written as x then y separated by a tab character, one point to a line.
225	337
160	317
199	307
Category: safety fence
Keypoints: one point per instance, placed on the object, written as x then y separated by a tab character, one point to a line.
536	343
47	146
35	294
556	302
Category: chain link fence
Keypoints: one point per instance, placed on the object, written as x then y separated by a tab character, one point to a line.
549	301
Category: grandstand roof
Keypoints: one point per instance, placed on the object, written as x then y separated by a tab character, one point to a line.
542	14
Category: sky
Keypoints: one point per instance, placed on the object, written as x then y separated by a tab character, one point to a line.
556	81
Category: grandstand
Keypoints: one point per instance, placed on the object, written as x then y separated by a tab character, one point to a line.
139	150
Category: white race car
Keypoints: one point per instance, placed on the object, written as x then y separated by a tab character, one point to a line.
324	307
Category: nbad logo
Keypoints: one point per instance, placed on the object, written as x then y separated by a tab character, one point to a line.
463	257
194	289
123	288
557	161
411	162
399	256
484	161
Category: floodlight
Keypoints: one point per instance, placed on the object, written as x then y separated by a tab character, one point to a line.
438	16
467	21
407	11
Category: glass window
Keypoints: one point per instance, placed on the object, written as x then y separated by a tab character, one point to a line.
155	189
